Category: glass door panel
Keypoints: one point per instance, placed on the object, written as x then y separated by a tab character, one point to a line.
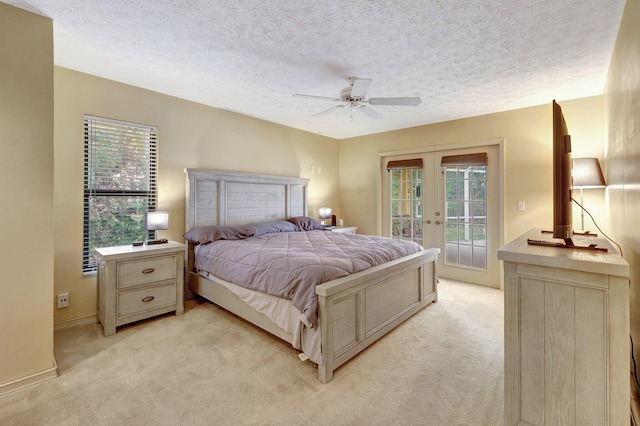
466	220
469	196
406	204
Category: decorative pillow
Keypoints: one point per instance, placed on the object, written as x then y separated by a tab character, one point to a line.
262	228
304	223
208	234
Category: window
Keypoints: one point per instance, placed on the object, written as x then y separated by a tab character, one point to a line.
119	183
406	199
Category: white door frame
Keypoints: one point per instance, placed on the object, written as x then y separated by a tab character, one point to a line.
382	174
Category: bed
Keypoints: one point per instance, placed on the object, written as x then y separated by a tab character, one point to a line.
353	311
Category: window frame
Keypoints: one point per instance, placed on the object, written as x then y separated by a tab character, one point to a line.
148	135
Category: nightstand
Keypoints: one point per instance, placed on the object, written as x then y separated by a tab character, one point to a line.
136	283
345	229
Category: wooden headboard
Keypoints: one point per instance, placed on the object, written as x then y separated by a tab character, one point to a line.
230	198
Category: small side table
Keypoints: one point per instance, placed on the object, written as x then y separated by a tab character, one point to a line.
345	229
136	283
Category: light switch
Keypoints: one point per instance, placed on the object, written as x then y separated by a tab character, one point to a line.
520	206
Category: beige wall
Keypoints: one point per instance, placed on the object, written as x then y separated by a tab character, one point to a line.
622	108
190	135
527	135
26	174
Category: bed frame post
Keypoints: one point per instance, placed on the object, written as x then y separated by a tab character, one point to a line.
325	318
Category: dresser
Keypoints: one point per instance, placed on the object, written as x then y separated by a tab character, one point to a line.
566	316
136	283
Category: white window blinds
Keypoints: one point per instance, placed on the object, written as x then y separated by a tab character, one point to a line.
120	166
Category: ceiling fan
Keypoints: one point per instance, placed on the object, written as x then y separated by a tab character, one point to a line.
355	97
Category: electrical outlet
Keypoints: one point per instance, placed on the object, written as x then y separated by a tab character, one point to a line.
63	300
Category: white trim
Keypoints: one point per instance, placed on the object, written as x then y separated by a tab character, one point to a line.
475	144
75	322
503	216
28	381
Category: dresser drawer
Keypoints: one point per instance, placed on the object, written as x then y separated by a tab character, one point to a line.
147	270
146	299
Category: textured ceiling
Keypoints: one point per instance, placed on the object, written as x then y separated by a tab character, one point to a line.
463	58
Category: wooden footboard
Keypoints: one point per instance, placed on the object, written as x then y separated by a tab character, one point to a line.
356	311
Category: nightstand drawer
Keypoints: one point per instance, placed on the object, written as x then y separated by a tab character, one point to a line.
146	270
146	299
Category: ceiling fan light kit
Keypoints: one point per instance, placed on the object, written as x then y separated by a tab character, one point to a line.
355	97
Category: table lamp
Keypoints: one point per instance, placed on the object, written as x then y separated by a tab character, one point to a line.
586	173
155	221
325	213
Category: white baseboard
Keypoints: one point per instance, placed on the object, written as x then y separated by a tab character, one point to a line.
28	381
75	322
50	373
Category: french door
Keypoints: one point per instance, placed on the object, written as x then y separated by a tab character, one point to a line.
450	200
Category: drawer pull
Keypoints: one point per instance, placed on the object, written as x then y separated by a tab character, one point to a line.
148	299
148	270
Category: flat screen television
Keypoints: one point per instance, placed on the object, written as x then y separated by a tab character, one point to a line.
562	183
562	188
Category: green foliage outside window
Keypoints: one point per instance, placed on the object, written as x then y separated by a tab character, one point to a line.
120	184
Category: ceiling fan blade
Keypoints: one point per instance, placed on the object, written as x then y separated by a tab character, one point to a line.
372	113
359	87
409	101
324	98
328	111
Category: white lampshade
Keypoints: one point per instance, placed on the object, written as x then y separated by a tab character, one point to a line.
325	213
587	173
157	220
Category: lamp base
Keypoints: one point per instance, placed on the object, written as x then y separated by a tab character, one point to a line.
160	241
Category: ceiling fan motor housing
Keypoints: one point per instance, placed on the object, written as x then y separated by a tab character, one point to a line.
345	96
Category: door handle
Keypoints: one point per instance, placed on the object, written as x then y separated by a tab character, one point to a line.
438	222
428	222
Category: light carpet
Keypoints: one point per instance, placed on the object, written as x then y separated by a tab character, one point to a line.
444	366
